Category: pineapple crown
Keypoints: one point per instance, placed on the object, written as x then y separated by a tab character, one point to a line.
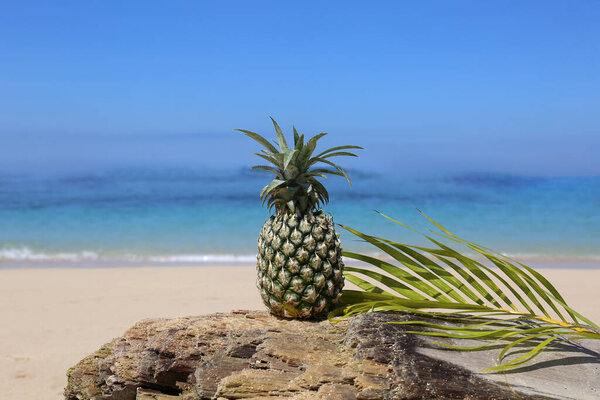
295	188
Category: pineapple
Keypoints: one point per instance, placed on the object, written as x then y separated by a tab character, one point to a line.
299	261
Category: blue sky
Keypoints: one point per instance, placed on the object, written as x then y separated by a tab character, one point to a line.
506	86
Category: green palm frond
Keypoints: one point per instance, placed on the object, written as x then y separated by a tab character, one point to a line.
508	303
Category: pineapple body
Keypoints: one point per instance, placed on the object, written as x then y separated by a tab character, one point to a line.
299	265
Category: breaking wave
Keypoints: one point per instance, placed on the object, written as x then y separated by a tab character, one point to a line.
25	254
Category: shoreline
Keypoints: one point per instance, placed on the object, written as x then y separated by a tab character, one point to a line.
53	317
543	263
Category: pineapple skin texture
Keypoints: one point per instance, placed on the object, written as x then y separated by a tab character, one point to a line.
299	265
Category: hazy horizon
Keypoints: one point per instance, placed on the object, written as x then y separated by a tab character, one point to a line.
405	156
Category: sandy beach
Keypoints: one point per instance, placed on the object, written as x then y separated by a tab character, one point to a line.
51	318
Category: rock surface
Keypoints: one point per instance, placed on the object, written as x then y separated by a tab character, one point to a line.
252	355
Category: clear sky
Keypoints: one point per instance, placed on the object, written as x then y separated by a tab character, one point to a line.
509	86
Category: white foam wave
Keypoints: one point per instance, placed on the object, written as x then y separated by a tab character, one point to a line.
25	254
204	258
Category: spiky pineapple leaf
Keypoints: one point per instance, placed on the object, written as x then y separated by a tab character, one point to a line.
463	292
308	149
325	171
340	170
346	147
338	153
259	139
280	138
270	169
270	159
288	156
292	166
272	185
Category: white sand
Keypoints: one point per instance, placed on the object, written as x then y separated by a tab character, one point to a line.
51	318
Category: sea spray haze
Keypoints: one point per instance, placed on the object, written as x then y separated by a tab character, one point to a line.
299	262
187	215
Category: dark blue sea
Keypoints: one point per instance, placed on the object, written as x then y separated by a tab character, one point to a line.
192	216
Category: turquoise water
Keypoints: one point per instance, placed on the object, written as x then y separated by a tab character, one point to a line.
196	216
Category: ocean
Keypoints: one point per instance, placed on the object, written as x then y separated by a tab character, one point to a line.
194	216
